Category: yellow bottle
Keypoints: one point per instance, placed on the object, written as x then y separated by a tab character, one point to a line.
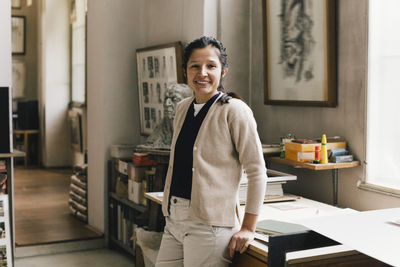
324	152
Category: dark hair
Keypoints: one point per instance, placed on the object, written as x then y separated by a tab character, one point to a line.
203	42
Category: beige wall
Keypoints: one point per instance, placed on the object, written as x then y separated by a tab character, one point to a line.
346	120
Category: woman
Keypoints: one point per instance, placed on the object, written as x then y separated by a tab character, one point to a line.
215	136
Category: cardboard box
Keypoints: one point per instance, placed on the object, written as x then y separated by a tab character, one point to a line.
123	167
137	173
311	147
299	156
134	191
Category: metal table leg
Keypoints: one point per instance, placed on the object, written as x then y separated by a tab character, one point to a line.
335	181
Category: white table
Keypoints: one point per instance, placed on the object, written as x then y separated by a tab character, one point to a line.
369	232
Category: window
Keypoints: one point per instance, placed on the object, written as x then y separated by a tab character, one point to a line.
383	97
78	51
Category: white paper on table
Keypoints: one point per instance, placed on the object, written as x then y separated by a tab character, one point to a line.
369	232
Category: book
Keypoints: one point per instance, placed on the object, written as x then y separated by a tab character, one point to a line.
273	227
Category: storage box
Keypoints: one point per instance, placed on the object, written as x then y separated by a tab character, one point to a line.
137	173
300	156
122	150
123	167
306	152
297	147
134	191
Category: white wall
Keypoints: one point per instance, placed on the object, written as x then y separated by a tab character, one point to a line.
113	36
346	120
54	82
5	43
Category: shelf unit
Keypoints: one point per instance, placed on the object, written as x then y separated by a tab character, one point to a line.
124	215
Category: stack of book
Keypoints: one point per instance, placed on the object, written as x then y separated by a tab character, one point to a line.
78	192
274	190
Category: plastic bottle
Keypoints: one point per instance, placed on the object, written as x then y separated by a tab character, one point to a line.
317	155
324	151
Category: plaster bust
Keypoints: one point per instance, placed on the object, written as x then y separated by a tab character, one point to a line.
161	136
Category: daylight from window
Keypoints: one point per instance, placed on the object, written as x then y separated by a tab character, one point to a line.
383	102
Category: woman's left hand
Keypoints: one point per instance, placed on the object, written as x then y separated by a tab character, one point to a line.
240	241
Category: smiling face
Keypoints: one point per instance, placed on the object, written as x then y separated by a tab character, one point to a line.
204	73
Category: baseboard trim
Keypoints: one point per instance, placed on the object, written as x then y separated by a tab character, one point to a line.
62	247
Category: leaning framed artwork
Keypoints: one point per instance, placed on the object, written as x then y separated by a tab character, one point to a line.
18	35
300	52
157	67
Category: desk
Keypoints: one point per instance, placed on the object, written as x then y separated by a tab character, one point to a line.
317	167
259	253
26	134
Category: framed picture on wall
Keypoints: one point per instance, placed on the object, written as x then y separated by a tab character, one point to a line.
300	52
75	127
16	4
18	35
157	67
18	79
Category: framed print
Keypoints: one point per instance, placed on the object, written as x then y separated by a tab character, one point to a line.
300	52
16	4
157	67
75	127
18	35
18	79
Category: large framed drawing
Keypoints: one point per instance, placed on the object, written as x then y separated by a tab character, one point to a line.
157	67
18	35
300	52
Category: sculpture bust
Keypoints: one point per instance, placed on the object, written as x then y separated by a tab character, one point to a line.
161	136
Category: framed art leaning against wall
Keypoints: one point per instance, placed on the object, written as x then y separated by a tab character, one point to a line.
157	67
300	52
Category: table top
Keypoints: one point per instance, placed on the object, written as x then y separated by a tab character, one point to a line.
311	166
26	131
293	211
375	233
14	154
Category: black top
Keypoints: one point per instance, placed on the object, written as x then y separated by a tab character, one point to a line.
181	184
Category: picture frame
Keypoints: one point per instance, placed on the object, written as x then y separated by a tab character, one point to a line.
18	79
300	52
75	127
157	67
18	35
16	4
5	232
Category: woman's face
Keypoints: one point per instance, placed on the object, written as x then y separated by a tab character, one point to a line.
204	73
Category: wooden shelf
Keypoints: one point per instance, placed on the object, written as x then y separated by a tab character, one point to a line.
129	203
311	166
14	154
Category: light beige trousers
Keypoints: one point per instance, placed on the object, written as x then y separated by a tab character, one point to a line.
188	243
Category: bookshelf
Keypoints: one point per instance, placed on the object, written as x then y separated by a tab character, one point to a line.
7	155
124	215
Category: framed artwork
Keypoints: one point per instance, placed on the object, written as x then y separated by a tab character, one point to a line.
75	127
300	52
5	233
18	79
18	35
16	4
157	67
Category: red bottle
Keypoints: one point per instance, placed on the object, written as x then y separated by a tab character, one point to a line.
317	156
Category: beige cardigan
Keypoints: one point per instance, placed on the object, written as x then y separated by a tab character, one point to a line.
227	141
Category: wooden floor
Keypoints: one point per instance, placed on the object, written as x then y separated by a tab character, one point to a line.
41	208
